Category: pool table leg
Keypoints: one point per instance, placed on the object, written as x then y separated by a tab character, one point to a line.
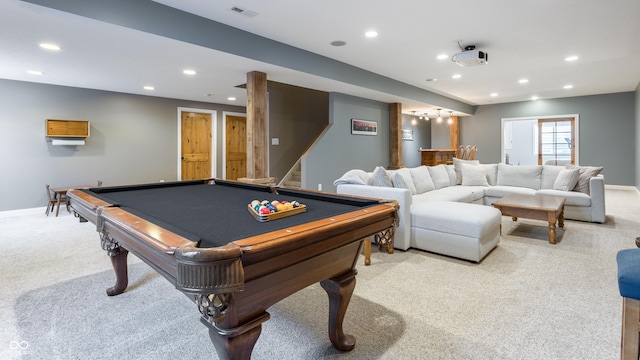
119	263
339	290
237	347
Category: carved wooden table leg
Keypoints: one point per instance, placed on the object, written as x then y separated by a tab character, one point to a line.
238	347
552	227
118	257
340	290
119	262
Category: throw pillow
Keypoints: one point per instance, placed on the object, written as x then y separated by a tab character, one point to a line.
402	179
492	173
566	180
380	177
473	175
439	176
422	179
586	173
453	179
456	165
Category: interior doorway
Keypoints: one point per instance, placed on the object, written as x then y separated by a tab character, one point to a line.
235	146
540	140
196	144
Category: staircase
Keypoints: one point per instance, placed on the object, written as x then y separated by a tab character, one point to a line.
293	177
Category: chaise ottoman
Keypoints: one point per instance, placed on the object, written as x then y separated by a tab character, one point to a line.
461	230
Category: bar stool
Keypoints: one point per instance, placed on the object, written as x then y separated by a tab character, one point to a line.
629	286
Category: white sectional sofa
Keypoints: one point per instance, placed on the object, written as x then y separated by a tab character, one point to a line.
474	183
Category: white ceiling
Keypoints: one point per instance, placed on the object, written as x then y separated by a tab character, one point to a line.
524	39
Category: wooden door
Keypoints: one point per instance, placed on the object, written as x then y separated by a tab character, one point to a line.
236	147
196	145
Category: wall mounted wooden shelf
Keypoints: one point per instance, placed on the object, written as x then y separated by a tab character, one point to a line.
67	128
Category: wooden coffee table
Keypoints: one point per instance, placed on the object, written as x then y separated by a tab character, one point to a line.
550	208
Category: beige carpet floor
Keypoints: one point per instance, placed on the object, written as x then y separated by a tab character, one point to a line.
527	299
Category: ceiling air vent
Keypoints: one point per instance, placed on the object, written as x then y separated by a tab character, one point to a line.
245	12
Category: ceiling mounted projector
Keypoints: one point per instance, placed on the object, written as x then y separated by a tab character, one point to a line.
470	57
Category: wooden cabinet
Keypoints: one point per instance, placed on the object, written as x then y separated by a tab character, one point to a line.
432	157
67	128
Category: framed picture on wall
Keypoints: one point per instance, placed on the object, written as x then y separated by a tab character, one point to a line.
364	127
407	135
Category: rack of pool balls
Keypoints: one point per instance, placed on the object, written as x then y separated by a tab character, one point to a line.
266	211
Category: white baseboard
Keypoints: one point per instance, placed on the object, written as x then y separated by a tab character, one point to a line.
22	212
621	187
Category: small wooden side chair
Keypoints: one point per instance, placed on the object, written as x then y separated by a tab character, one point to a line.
629	286
52	200
467	151
472	152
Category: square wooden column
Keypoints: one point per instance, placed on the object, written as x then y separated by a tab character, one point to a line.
395	136
257	129
454	133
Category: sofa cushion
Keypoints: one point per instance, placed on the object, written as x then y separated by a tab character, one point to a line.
456	165
439	176
402	179
586	173
574	198
473	175
549	175
380	177
455	218
527	176
501	190
566	180
422	179
492	173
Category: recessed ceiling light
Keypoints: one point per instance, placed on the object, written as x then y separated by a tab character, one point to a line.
443	56
493	94
35	72
231	98
150	88
571	58
569	86
338	43
523	81
534	97
189	72
207	95
371	34
432	80
456	76
48	46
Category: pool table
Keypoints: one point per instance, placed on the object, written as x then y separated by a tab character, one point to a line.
201	236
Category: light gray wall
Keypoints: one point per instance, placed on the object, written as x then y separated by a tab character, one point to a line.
607	130
337	151
440	138
133	139
411	156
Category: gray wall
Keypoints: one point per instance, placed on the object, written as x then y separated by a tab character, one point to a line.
607	130
133	139
337	151
411	156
